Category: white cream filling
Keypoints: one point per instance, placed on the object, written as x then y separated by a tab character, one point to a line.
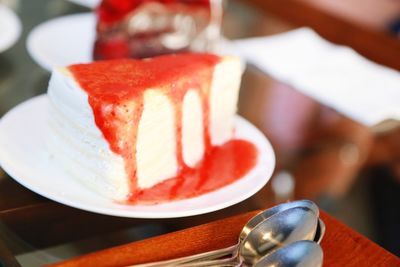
192	128
223	99
156	140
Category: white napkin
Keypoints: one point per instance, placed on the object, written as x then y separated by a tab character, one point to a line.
334	75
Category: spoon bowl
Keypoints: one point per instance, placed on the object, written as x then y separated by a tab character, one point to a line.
281	229
298	254
253	222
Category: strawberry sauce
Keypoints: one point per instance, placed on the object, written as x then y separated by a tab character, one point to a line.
115	92
112	11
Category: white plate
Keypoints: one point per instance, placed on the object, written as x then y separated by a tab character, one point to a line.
63	41
10	28
68	40
86	3
22	156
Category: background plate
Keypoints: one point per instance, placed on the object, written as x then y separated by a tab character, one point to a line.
10	28
63	41
69	40
86	3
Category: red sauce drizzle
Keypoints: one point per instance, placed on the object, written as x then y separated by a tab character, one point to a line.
221	166
112	11
115	89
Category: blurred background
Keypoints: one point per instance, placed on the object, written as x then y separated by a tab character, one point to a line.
352	171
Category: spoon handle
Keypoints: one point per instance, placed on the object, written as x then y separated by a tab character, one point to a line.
210	255
231	261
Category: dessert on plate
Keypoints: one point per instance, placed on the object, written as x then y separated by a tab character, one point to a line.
152	130
144	28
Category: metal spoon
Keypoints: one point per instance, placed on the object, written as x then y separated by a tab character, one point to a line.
253	222
298	254
319	234
279	230
233	250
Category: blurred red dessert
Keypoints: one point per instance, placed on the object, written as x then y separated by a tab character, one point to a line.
146	28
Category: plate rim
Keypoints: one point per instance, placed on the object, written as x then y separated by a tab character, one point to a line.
89	4
268	171
38	30
13	18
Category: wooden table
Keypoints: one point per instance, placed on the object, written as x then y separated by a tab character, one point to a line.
341	245
29	222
